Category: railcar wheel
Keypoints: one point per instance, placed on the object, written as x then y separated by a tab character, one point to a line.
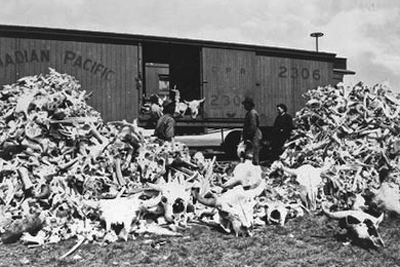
231	142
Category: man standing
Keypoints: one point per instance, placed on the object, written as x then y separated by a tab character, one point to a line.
281	130
251	128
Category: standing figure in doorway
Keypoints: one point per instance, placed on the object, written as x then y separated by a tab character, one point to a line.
251	128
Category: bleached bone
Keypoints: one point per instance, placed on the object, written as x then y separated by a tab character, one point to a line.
175	199
277	212
236	205
194	106
359	225
151	167
247	175
25	100
387	198
244	149
359	203
121	210
309	179
181	108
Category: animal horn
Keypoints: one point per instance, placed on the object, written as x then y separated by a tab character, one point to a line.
152	202
380	218
155	187
336	215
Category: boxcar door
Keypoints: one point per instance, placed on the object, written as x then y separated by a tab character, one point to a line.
227	79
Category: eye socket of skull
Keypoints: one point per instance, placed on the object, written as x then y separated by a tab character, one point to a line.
275	215
352	220
178	206
223	213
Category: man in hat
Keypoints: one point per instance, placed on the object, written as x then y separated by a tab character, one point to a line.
251	128
165	128
281	130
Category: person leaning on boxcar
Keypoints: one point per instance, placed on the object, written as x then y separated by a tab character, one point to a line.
251	128
156	111
281	130
165	128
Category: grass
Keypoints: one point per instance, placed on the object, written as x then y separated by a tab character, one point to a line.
308	241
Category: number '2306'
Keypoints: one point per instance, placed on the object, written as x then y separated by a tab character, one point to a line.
304	73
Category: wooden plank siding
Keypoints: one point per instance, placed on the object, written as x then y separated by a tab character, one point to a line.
285	80
230	75
227	79
112	66
109	70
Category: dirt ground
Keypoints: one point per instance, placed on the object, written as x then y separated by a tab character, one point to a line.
313	240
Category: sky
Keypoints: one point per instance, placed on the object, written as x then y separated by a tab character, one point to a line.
366	32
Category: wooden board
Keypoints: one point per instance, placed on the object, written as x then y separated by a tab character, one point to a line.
109	70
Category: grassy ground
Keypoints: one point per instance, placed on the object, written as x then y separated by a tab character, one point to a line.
309	241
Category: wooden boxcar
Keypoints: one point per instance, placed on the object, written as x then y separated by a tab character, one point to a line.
123	70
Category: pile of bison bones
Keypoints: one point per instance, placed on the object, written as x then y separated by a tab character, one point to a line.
64	173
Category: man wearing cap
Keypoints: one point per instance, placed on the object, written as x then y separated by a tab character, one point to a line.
165	128
251	128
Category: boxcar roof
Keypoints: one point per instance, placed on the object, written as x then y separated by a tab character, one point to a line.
125	38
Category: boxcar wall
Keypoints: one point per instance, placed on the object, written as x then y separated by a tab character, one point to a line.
229	75
109	70
123	70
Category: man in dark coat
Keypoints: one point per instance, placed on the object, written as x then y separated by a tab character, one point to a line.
281	130
165	128
251	128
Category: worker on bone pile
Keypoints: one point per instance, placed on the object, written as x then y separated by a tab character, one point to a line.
281	130
251	128
165	128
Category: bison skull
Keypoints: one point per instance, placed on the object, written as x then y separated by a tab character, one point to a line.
175	200
359	225
194	106
235	207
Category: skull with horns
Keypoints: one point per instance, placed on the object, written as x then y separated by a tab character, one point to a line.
359	225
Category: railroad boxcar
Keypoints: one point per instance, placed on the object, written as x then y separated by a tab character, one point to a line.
123	70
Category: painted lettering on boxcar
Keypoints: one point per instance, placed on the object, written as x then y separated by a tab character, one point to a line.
24	56
228	76
88	64
301	73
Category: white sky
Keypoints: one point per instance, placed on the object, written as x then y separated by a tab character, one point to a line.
366	32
